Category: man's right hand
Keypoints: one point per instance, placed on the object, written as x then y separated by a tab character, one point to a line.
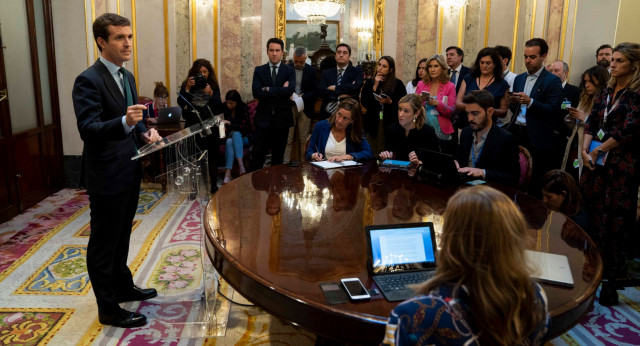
134	114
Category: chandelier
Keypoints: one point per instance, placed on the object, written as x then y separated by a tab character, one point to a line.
317	11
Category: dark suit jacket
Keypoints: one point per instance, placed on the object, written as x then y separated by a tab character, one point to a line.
308	88
544	113
463	72
274	106
571	93
107	167
499	156
352	80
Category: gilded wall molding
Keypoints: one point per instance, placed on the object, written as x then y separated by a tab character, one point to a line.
281	19
378	27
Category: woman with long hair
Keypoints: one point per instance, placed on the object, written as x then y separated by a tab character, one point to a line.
380	96
560	193
410	133
421	70
486	74
481	292
238	132
592	81
439	98
201	90
340	137
610	183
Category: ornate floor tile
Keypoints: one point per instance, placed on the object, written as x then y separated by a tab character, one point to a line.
65	273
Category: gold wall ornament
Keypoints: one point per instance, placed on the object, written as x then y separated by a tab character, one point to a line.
378	28
281	19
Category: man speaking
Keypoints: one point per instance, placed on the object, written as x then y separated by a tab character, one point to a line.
110	126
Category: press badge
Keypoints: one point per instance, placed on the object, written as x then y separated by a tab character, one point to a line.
576	164
600	134
523	110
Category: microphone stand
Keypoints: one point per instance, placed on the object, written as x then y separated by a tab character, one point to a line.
205	129
217	122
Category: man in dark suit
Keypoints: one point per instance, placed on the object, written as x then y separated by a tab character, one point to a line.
273	84
535	102
305	88
110	125
455	57
570	97
342	82
487	151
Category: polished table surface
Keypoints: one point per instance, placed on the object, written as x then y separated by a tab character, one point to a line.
277	233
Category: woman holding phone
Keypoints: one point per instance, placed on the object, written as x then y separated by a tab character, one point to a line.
380	96
481	293
593	80
410	133
611	187
439	97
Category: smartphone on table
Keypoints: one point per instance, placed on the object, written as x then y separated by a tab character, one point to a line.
355	289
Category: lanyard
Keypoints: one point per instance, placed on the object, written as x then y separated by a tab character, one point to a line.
615	105
473	153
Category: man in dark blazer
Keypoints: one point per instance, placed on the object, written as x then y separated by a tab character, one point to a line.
273	84
306	78
455	57
536	100
487	151
342	82
110	125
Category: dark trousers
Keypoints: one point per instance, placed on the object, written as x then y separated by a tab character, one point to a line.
265	138
108	249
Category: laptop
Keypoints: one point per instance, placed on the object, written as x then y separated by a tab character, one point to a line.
400	256
169	115
550	268
440	167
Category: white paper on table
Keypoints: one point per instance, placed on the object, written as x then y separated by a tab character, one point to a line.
299	102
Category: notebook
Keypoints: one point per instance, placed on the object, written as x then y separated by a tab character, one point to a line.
441	167
169	115
331	165
399	256
550	268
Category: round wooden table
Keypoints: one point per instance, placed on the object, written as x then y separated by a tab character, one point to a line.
274	235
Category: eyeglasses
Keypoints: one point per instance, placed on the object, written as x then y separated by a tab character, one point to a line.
163	97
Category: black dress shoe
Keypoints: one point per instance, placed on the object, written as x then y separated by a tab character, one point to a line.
608	295
122	318
136	293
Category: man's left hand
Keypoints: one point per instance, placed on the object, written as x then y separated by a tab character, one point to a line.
151	136
472	172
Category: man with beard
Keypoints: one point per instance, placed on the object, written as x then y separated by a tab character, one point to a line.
486	151
604	56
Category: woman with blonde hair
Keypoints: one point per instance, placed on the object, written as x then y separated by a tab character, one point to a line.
593	80
439	97
481	292
410	133
611	186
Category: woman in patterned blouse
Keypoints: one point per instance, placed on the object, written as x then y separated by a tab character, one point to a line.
481	293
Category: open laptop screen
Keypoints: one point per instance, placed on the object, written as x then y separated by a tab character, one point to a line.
405	247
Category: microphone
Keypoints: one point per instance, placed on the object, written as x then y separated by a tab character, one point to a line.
217	123
205	129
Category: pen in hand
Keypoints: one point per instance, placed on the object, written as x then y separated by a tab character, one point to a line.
318	155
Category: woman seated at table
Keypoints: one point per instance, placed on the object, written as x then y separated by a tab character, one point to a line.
238	132
340	137
439	100
160	96
560	193
481	293
410	133
486	74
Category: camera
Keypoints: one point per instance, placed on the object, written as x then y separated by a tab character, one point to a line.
201	82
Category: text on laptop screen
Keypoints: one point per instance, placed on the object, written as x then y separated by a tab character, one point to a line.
392	247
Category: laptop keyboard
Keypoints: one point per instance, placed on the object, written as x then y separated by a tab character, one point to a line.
401	281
